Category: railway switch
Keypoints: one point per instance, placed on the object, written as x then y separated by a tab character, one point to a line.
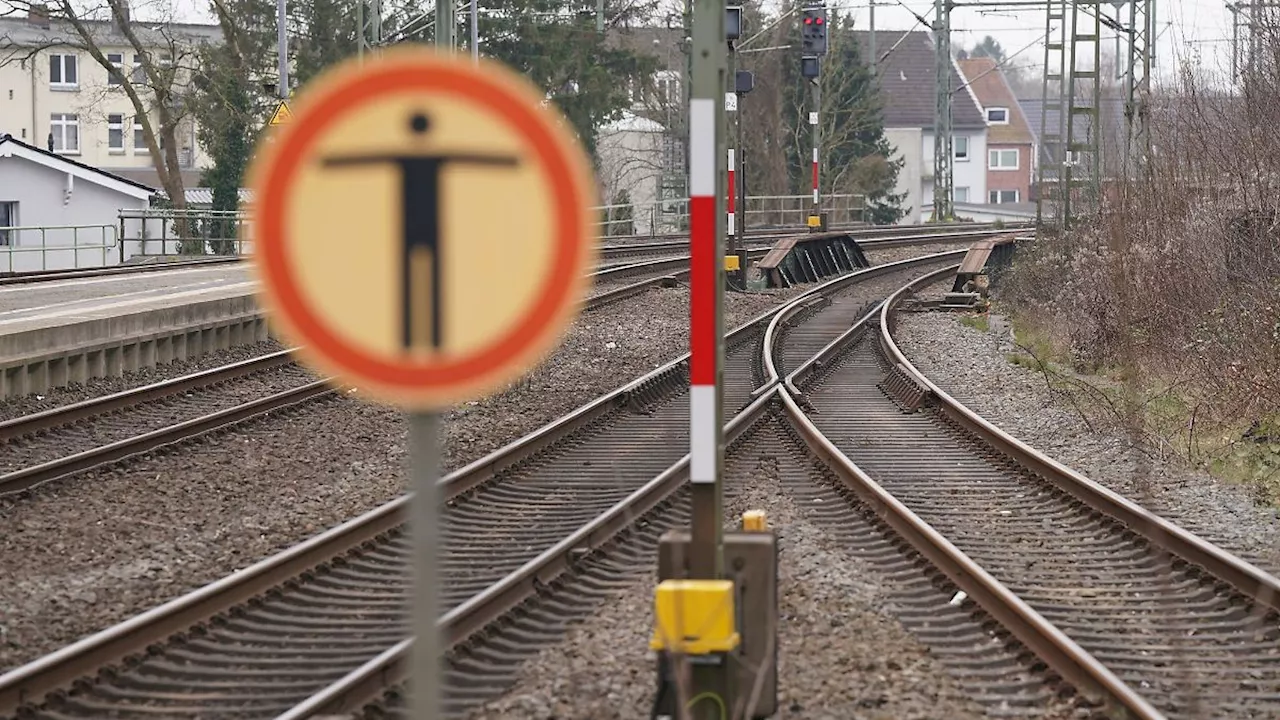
749	670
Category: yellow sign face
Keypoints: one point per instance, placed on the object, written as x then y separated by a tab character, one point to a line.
282	115
423	227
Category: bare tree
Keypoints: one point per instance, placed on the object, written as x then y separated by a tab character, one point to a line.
157	85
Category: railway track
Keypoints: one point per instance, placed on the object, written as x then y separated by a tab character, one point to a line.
63	441
320	627
60	442
1135	613
612	249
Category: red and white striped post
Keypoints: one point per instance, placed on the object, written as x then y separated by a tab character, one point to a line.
815	179
731	228
704	420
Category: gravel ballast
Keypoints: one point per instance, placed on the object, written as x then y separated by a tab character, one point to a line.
840	655
888	255
971	365
82	554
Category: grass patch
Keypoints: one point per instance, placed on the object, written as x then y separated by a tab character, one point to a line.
977	322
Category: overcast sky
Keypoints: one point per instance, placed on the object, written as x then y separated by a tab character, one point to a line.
1196	31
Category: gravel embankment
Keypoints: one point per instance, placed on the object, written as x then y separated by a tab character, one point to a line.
80	555
971	365
840	655
57	397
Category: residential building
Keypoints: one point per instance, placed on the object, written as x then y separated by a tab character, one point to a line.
1113	126
56	96
643	152
1010	143
70	208
907	90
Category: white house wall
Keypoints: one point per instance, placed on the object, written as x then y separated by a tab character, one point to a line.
970	173
41	194
907	145
29	102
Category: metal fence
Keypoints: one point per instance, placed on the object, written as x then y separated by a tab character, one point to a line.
760	210
57	247
165	232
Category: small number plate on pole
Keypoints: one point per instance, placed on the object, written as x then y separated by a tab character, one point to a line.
731	102
813	118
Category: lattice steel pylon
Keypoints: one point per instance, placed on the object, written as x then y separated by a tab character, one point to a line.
1050	208
1074	191
943	199
369	24
1137	85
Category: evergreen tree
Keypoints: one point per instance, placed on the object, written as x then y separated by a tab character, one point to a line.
858	154
327	35
559	49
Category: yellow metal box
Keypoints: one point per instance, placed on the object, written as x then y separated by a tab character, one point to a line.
695	617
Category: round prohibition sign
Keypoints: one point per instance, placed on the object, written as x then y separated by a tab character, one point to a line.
423	228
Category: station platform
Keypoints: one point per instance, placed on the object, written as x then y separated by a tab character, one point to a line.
64	331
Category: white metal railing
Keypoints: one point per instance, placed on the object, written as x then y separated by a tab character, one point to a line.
43	248
668	216
163	231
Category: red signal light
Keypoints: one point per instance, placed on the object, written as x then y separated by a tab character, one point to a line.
808	21
819	21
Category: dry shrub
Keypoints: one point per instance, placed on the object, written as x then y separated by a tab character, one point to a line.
1175	287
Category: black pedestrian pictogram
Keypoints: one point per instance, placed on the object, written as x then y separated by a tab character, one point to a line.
420	198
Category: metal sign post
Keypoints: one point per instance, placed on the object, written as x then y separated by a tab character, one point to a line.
707	153
417	332
282	41
424	472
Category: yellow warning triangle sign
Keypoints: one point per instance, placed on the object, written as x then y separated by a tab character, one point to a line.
282	115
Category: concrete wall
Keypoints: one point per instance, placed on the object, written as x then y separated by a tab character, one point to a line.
630	153
41	194
969	173
908	145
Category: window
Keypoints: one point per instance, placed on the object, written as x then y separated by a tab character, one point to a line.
960	147
668	87
139	75
139	138
1002	159
998	116
998	197
114	77
8	219
65	130
115	133
62	71
960	194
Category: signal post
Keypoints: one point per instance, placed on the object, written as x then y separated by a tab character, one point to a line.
713	630
813	45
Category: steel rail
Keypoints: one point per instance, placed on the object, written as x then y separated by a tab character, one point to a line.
35	680
35	475
1252	581
1039	635
67	414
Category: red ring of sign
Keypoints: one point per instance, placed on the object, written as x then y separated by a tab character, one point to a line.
567	215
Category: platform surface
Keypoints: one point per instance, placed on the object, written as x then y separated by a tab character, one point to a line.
62	302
